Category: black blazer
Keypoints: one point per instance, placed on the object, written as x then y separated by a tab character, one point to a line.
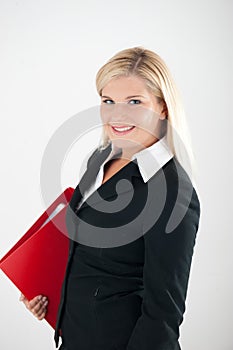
166	212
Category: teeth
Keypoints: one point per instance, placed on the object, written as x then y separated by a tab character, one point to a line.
123	129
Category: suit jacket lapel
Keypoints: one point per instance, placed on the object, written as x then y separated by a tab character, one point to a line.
93	167
107	189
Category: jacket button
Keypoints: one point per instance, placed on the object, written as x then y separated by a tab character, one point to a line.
96	291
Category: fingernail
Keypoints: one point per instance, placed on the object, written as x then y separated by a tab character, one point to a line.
39	297
44	298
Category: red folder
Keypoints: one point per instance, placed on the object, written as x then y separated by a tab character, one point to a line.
36	264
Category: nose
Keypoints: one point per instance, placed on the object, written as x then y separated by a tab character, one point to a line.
118	114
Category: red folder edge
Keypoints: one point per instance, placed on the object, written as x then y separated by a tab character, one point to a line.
36	264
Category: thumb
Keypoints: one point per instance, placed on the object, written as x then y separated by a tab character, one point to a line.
21	297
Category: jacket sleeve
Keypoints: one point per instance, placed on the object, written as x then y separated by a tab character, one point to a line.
165	276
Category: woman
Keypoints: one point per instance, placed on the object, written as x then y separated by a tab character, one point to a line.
130	258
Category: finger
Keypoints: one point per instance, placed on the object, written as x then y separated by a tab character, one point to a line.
22	297
28	303
41	312
39	306
33	302
42	315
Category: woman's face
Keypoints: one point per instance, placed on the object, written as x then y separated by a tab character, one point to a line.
126	102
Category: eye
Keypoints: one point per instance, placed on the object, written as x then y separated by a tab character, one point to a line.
135	103
105	101
109	102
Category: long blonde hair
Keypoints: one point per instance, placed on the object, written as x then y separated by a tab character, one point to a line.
149	66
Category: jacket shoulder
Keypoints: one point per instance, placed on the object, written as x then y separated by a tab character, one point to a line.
178	180
174	197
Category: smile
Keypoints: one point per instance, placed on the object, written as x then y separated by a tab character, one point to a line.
122	130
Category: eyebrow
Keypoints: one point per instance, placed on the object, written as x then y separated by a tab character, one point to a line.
125	98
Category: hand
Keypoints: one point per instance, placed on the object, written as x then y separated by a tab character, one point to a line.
37	305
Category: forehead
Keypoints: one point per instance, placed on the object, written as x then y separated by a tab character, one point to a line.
124	86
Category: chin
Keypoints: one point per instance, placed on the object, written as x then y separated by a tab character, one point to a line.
125	144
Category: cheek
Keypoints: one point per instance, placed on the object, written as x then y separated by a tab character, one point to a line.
147	127
104	120
146	119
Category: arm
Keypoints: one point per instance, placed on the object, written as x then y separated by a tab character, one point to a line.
166	273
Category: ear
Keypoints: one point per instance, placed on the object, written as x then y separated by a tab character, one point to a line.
164	111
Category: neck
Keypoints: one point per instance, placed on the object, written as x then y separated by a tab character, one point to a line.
127	154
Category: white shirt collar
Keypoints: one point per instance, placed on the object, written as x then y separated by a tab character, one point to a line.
159	150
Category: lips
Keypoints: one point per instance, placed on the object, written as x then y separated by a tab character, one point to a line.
122	129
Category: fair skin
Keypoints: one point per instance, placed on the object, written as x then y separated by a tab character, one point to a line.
142	110
145	116
36	306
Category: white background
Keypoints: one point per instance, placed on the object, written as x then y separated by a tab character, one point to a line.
50	54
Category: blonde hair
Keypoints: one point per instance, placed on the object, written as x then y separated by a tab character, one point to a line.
149	66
